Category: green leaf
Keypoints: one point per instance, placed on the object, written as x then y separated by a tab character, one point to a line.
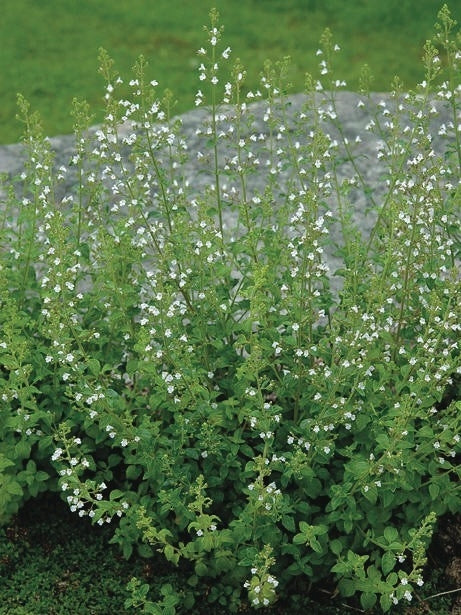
171	555
304	527
22	449
31	466
116	494
94	366
346	587
368	600
132	366
201	569
113	461
207	541
315	545
371	494
391	534
387	498
299	539
387	562
5	462
341	568
358	467
385	602
13	488
193	580
127	550
192	453
248	555
392	579
288	523
41	476
336	546
45	442
348	525
383	440
133	472
434	491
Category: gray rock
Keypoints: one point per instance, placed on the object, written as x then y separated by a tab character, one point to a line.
347	119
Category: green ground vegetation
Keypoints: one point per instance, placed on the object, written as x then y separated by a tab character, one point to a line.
49	50
71	569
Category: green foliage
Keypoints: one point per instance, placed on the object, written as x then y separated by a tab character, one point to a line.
53	562
166	606
182	366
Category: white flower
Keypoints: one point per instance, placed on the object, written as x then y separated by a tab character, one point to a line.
57	454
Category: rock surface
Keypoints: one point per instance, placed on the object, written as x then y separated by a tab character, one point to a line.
354	120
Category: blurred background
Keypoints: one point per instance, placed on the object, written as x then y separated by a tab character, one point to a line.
49	48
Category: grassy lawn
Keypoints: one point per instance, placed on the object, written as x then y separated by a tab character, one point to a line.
49	49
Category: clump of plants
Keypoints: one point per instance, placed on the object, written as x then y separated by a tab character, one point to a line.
183	363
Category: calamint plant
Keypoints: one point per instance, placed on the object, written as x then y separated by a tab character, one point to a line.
180	358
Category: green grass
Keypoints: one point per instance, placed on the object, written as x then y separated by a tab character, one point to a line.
49	49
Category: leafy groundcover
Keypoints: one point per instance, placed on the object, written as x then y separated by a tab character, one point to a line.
53	562
184	368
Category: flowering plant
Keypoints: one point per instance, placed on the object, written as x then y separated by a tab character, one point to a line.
178	357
